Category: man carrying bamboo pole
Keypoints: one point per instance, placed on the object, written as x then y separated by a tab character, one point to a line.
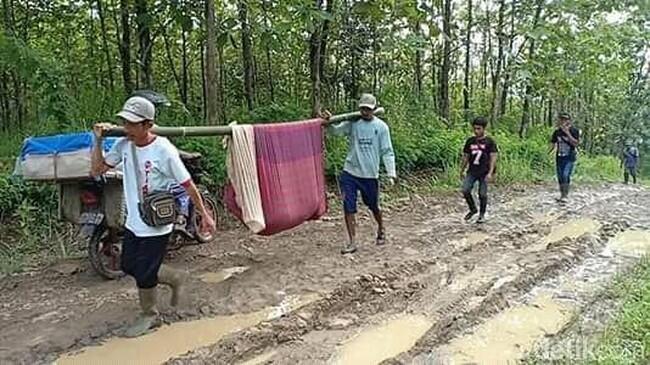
150	163
368	142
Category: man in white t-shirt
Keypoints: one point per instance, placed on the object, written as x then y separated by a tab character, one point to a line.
158	165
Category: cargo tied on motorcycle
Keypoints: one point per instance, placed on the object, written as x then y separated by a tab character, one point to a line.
97	204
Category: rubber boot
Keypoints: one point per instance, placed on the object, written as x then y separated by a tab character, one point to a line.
176	280
562	192
483	209
566	191
149	316
471	205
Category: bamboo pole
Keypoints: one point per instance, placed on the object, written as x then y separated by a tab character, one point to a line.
205	131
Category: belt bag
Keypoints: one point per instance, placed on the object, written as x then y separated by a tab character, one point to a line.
158	208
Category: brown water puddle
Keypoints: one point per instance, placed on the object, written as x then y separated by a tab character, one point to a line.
571	229
261	359
379	343
543	218
635	243
470	240
178	338
507	337
217	277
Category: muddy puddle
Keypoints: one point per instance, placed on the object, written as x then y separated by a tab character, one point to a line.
382	342
507	337
261	359
572	229
470	240
549	308
635	243
222	275
178	338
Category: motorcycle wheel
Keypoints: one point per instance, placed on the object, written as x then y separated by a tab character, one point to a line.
211	207
105	255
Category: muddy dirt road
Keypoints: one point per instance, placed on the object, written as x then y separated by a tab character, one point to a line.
438	292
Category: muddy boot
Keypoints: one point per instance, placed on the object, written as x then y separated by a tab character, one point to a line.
483	204
176	280
148	319
563	193
469	215
470	204
381	238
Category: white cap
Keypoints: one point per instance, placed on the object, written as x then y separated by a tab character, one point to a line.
367	101
138	109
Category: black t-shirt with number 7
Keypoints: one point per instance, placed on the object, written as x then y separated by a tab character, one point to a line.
478	151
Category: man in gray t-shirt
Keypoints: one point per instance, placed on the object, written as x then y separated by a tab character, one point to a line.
368	144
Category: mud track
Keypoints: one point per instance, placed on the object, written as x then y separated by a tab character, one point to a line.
452	274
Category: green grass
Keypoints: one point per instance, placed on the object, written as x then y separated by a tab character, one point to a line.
626	340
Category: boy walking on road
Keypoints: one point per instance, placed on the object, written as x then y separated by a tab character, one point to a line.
480	154
368	143
565	140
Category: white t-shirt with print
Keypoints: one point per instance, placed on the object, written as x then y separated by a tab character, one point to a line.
159	166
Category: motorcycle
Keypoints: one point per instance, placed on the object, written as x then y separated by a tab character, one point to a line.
98	207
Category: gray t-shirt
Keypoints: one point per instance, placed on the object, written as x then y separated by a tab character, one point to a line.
368	142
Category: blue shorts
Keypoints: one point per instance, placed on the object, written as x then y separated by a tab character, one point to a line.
369	189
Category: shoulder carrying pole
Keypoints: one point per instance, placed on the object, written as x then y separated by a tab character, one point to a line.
205	131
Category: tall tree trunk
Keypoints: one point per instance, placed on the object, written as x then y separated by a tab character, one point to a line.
417	72
269	76
375	66
468	49
107	51
510	61
314	63
125	47
525	116
496	81
90	57
145	45
7	113
434	75
446	64
184	66
170	62
203	81
323	42
247	54
213	97
267	51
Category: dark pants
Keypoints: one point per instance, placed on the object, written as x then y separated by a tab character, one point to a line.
564	169
630	170
142	257
468	186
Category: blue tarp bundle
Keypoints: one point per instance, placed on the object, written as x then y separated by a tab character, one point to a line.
62	156
61	143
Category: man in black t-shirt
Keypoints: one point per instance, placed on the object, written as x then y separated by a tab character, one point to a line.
564	141
480	154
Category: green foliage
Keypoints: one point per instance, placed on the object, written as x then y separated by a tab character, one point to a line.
626	340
